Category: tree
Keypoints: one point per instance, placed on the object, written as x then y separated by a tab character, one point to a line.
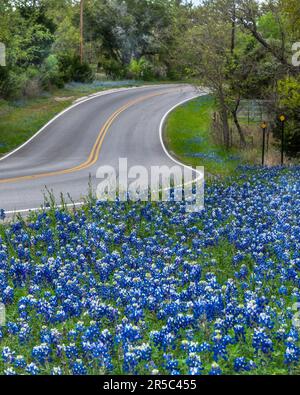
291	11
123	30
209	52
249	12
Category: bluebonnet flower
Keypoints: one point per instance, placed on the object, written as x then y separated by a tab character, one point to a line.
240	333
215	370
8	295
130	362
261	342
242	364
8	356
10	372
24	333
12	328
71	351
171	363
220	345
195	364
292	352
41	353
20	362
56	371
78	368
32	369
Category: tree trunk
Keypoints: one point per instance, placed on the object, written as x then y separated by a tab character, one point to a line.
225	124
239	128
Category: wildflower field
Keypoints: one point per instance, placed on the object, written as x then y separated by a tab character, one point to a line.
146	288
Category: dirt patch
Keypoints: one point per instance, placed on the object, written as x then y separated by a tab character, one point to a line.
63	99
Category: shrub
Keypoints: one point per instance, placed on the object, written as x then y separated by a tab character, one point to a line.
113	68
50	73
71	69
135	69
146	70
12	83
141	69
32	84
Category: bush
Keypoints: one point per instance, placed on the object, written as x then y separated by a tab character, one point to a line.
71	69
12	83
32	84
113	68
143	69
51	74
135	69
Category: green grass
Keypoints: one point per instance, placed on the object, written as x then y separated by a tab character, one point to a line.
20	120
19	123
188	138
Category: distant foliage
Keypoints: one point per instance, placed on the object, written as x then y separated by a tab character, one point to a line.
43	37
144	69
159	40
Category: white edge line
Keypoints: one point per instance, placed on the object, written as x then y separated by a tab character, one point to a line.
32	210
161	129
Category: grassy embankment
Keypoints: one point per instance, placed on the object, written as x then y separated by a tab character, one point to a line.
189	138
21	119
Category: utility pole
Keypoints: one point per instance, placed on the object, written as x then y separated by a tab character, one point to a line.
81	30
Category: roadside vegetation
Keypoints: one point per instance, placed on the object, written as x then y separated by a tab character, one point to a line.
188	137
240	50
192	135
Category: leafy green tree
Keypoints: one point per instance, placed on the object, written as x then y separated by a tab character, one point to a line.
209	54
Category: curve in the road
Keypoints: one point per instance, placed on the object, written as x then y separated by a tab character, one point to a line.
94	154
68	151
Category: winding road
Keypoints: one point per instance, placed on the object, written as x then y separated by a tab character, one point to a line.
94	132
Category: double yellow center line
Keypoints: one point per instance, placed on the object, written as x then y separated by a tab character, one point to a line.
94	155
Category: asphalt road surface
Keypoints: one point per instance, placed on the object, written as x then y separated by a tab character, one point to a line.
96	132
